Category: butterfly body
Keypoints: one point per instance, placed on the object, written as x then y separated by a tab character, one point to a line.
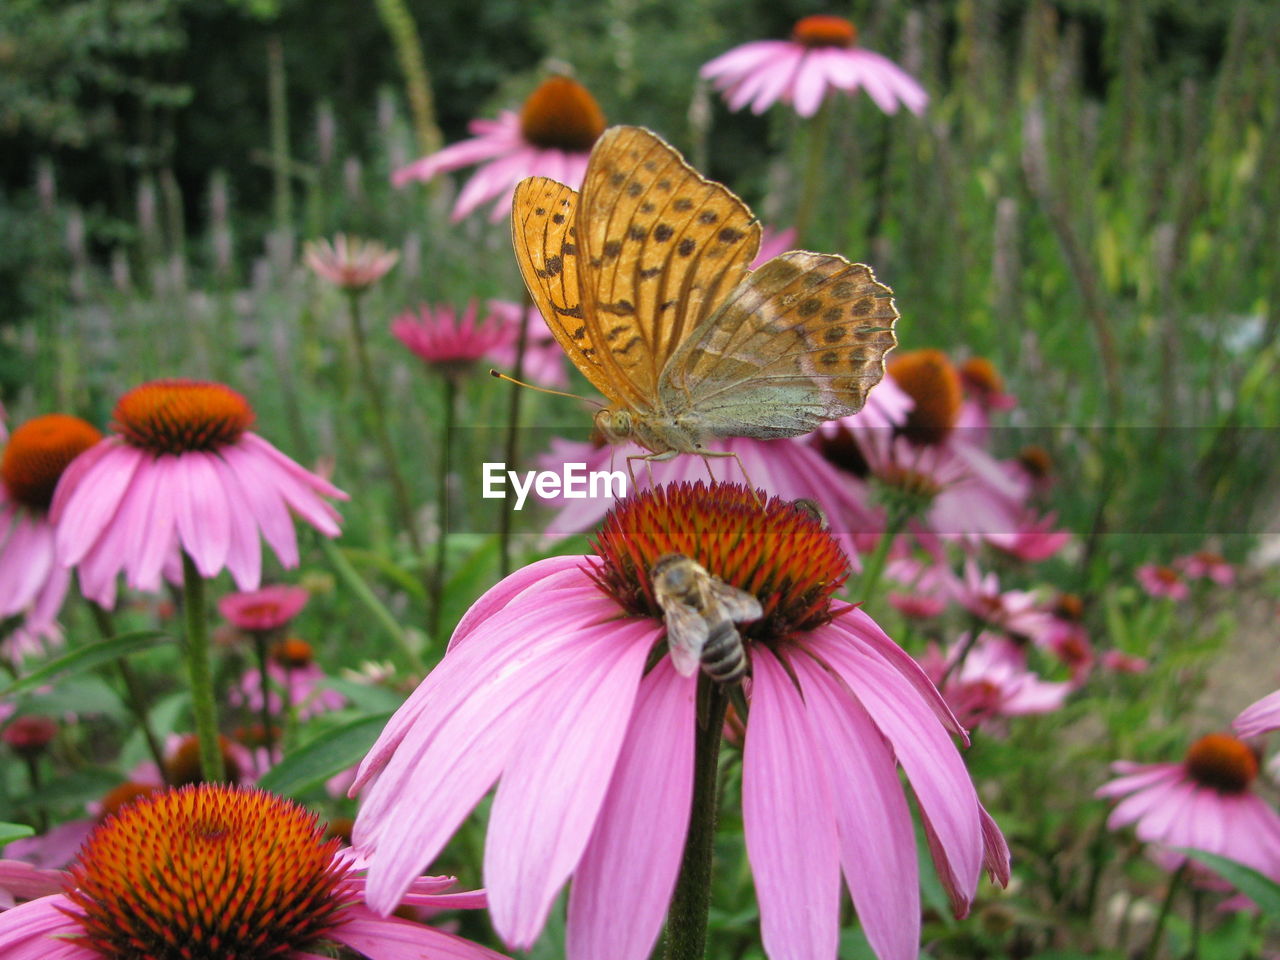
644	280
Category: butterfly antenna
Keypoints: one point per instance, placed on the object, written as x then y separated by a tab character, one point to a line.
554	393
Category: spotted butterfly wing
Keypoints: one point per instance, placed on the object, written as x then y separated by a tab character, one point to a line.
799	342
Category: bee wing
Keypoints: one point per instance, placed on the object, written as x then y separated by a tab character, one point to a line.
737	605
686	636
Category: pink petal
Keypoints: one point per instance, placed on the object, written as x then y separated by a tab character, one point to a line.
733	64
810	84
1260	717
264	502
92	505
789	820
948	802
202	513
33	931
552	790
390	938
26	559
509	589
148	511
877	838
635	850
244	553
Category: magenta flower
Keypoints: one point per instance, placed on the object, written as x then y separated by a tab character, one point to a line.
265	609
182	472
820	57
32	583
350	263
1162	581
774	243
447	342
1016	612
1204	803
546	688
992	682
293	891
1207	565
1259	717
21	881
543	357
293	670
550	137
1033	540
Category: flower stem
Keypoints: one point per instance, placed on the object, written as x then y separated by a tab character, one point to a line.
203	705
819	134
687	918
399	490
873	569
513	436
264	684
133	699
442	505
1175	883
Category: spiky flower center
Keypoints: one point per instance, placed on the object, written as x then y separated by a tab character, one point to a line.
38	452
292	654
1167	576
117	798
1036	461
980	375
207	873
1223	763
561	115
824	30
1069	606
933	384
777	551
180	416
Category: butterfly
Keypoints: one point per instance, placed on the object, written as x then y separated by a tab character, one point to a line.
644	279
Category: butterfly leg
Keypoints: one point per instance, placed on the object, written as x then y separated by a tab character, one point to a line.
649	459
745	476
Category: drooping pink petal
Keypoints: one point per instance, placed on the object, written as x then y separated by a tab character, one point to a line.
995	849
507	590
634	853
877	837
810	84
264	503
551	791
89	507
789	821
390	938
1259	717
244	552
202	512
948	802
34	931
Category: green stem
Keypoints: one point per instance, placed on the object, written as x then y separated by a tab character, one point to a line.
691	902
819	134
356	584
203	705
399	489
134	699
442	505
513	437
264	681
873	568
1157	932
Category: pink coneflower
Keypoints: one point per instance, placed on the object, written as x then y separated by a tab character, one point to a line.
822	55
350	263
774	243
1016	612
544	359
217	871
984	394
1207	565
1261	716
293	669
265	609
1204	803
992	681
1117	661
1161	581
550	137
450	343
547	685
1034	540
32	583
183	472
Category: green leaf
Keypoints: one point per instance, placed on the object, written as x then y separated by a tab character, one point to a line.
85	658
1263	891
331	752
10	832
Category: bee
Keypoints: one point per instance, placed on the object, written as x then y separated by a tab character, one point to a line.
700	612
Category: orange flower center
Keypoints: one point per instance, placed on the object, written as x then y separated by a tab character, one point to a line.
38	452
1223	763
980	375
1069	606
255	735
1036	461
120	797
561	115
207	872
184	762
778	552
932	382
1167	575
824	30
292	653
839	447
1210	559
179	416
